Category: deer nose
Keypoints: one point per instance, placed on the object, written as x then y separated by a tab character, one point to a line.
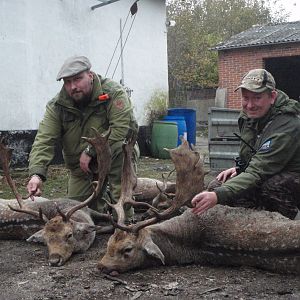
106	270
55	260
101	268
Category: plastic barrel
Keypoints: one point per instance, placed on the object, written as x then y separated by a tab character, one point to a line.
181	124
190	118
164	135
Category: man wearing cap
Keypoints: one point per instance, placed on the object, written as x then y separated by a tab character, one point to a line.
267	175
70	115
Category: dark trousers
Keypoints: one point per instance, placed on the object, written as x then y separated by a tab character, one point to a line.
278	193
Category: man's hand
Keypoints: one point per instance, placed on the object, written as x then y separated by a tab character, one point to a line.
204	201
84	162
225	175
34	186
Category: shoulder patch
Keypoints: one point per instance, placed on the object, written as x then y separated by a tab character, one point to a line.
119	104
266	146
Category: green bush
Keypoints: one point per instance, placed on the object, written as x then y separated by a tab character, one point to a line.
157	107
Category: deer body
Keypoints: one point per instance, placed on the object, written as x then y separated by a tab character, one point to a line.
16	225
222	236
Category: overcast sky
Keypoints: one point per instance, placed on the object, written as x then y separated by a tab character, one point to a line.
293	7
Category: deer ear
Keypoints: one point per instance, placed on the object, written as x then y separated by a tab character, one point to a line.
153	250
37	237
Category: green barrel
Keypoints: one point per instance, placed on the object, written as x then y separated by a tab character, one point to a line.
164	135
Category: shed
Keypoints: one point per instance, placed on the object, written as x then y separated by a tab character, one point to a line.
274	47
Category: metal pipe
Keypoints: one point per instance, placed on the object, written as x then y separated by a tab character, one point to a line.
103	4
122	58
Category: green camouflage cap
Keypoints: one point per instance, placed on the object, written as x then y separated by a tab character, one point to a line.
72	66
257	81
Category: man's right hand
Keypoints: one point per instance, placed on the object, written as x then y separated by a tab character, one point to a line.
84	162
34	186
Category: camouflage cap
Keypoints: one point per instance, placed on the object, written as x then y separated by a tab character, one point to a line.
257	81
73	66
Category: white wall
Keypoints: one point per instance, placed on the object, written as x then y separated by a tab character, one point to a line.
36	36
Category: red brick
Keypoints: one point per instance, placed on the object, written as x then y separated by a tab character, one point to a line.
233	64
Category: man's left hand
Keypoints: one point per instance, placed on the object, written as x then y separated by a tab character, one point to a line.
204	201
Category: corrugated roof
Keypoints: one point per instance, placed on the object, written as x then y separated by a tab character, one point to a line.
263	35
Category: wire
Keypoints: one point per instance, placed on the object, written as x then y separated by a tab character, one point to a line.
132	11
117	44
123	46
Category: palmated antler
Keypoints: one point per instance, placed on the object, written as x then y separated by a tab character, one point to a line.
128	179
189	181
5	156
102	148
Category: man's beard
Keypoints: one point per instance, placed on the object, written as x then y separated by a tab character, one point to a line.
81	99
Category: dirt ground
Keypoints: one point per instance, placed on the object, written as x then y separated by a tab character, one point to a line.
24	274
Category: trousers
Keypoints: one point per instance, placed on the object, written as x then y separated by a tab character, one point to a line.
80	184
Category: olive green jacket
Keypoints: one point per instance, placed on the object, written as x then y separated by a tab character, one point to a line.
276	141
66	123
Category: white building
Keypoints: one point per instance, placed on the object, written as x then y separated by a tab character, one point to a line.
36	36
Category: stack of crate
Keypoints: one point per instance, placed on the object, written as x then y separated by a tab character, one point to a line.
223	145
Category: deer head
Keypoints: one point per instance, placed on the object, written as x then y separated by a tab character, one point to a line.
70	231
132	246
65	237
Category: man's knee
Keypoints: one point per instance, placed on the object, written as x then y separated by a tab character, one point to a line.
283	182
280	193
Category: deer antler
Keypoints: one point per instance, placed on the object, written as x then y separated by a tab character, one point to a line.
162	195
128	180
101	145
5	159
189	182
162	199
5	156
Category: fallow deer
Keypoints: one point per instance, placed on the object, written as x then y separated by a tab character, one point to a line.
65	226
222	236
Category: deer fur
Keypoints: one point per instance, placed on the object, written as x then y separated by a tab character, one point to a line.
147	188
62	238
222	236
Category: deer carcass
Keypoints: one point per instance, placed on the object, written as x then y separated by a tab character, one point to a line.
65	226
222	236
146	188
63	234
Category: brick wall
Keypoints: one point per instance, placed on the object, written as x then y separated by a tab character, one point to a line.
233	64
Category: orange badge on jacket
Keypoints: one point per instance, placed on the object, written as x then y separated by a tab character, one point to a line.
119	104
103	97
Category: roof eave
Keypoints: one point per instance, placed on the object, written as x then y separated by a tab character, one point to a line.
253	45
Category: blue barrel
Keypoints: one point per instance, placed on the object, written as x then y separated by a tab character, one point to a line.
189	115
164	135
181	124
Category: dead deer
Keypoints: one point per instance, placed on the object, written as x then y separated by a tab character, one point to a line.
65	226
222	236
147	188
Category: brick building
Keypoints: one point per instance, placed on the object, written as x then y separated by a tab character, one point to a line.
273	47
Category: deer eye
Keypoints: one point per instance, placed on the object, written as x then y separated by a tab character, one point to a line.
69	235
127	250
